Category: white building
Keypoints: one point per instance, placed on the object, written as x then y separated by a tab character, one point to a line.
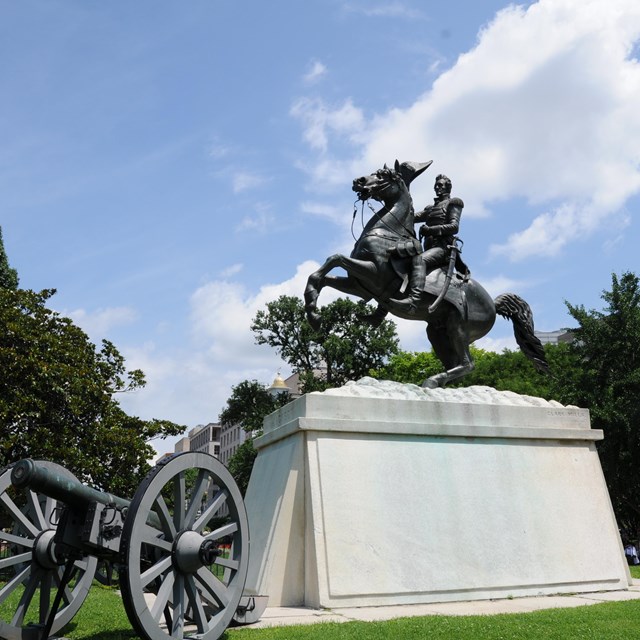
204	437
231	437
554	337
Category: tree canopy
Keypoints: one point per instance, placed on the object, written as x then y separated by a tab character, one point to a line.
8	276
57	397
346	348
607	382
247	406
506	371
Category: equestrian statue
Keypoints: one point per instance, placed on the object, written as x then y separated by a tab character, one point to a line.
427	282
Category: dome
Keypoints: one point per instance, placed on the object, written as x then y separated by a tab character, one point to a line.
278	386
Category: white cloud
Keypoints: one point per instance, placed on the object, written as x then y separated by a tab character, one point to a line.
191	385
99	323
498	345
320	120
259	222
218	151
317	71
333	213
232	270
501	284
544	108
221	314
245	181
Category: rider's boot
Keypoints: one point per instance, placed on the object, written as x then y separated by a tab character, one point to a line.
416	287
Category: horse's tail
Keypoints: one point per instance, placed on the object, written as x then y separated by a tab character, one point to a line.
514	308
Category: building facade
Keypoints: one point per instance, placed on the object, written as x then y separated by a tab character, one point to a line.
204	437
231	437
554	337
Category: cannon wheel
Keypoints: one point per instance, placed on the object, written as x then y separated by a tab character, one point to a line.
30	572
184	550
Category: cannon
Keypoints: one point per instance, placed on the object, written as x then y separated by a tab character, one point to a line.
180	547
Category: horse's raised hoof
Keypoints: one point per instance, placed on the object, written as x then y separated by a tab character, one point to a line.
311	294
314	319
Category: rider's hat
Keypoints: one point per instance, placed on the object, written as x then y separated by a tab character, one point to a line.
411	170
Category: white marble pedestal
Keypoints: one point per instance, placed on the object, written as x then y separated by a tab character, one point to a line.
380	493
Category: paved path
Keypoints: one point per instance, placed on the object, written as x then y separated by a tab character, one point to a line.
284	616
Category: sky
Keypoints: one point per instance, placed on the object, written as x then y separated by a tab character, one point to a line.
172	167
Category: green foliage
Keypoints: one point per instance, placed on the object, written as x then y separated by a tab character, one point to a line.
346	348
241	464
412	367
506	371
249	403
8	276
57	397
607	382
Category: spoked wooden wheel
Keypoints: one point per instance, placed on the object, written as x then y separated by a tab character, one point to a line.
30	569
184	550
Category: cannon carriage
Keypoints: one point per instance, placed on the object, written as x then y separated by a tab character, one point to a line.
180	547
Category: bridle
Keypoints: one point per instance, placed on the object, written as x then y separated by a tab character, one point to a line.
390	178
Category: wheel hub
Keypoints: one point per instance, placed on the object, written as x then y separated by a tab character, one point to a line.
191	551
44	551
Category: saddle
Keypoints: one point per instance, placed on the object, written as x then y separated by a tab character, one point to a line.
434	283
455	295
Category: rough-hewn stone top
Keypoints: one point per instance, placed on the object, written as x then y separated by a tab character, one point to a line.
372	388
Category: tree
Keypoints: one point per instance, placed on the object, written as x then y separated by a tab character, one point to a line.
410	367
506	371
8	276
249	403
58	397
241	464
607	382
346	349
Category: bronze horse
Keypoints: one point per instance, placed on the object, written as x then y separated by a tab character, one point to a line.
466	314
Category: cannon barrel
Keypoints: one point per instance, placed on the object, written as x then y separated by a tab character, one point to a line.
51	480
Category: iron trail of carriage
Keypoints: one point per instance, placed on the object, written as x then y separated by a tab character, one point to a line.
181	546
456	308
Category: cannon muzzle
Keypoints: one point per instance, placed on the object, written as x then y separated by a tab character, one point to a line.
54	481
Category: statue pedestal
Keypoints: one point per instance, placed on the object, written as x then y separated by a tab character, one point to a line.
380	493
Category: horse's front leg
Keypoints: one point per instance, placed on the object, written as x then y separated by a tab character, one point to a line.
361	269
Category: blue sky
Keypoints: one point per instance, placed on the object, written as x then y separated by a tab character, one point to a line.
171	167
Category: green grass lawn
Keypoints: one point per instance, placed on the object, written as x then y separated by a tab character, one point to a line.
102	617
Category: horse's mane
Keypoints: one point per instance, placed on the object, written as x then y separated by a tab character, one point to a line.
392	174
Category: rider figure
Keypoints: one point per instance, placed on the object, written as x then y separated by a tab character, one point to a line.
441	223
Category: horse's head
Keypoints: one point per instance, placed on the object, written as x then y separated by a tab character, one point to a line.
384	185
388	184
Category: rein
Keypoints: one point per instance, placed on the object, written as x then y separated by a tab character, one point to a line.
408	231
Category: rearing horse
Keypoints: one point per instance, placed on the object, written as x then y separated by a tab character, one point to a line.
465	315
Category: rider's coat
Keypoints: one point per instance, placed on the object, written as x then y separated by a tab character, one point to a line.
442	221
